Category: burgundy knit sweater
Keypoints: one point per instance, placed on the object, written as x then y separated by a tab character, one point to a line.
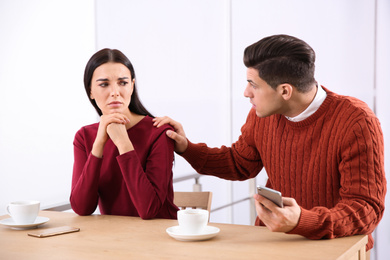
331	163
136	183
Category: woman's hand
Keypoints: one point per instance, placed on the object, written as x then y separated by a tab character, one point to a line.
118	134
275	218
178	136
102	134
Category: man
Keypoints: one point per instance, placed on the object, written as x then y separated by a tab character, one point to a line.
323	151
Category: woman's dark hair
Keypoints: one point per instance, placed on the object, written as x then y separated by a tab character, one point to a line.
282	59
116	56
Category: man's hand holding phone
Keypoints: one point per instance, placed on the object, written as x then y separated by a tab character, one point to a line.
272	195
279	214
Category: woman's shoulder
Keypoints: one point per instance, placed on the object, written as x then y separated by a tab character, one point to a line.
147	122
88	130
146	127
91	127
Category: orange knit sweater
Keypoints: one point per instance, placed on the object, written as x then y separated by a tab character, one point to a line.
331	163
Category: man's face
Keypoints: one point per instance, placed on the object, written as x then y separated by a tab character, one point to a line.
265	100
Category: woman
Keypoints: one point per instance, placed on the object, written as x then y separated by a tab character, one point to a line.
122	163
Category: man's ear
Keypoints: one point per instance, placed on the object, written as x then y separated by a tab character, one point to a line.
285	90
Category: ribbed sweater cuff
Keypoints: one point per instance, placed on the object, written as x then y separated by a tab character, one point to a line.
194	155
306	223
307	227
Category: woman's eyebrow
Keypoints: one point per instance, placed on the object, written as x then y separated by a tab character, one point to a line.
122	78
102	80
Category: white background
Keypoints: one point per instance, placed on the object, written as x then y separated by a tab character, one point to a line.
187	56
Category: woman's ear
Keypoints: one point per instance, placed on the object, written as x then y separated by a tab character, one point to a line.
91	96
132	85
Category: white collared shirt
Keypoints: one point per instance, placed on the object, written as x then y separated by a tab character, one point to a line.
314	105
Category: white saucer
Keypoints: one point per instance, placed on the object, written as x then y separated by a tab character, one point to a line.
10	223
177	234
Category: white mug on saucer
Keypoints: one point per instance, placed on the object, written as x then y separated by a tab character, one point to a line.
23	212
192	221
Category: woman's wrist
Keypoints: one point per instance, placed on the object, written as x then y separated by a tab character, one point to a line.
97	149
125	147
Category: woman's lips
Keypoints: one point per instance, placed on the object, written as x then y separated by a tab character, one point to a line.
115	104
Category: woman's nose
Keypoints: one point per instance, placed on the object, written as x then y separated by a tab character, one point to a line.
114	91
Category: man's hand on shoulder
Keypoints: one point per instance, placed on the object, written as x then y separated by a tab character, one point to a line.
179	136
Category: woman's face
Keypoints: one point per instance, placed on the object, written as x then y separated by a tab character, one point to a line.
111	88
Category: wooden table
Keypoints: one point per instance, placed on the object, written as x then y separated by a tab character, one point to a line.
115	237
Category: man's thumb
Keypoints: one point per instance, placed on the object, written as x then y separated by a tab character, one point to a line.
171	134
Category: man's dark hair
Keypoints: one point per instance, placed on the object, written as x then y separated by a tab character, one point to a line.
282	59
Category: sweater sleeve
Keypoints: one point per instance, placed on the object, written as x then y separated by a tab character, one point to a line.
148	187
85	181
362	188
239	162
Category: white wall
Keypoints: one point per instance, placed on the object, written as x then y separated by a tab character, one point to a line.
188	60
44	47
382	234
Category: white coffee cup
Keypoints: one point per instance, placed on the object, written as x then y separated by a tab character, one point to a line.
23	212
192	221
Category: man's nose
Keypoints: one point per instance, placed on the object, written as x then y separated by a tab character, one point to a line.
247	92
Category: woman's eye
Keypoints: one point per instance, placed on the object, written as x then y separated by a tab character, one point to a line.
123	83
105	84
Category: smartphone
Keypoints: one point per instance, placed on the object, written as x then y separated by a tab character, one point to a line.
53	231
273	195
